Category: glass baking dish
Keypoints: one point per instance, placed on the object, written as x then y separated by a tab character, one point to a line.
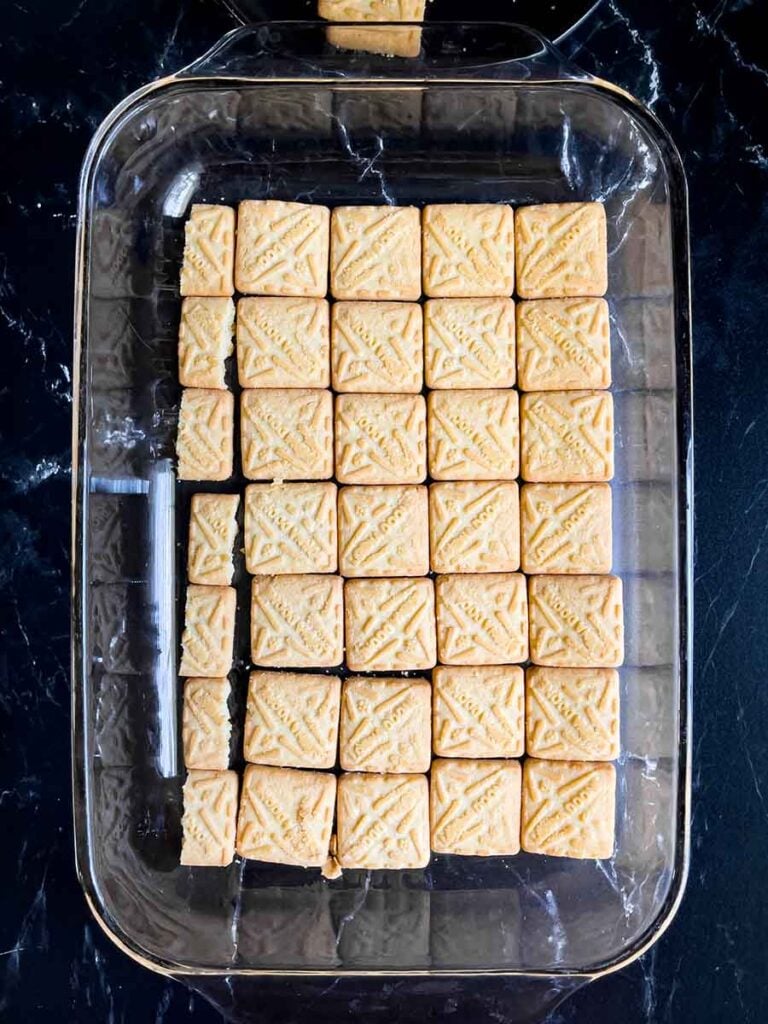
273	111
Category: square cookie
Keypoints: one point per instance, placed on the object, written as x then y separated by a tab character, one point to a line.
561	250
287	434
292	719
380	439
469	343
209	251
390	624
475	807
482	619
290	528
376	252
286	815
212	534
204	442
297	621
566	528
572	713
282	248
209	631
399	42
385	725
477	711
383	821
473	435
566	436
383	531
208	822
205	723
474	527
576	621
391	42
563	344
283	343
569	808
469	250
377	347
205	341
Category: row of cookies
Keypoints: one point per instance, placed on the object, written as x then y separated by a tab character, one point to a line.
475	250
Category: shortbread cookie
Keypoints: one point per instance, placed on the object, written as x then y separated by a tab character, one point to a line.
569	808
390	624
473	435
287	434
565	528
397	42
474	527
376	252
205	341
204	443
377	347
208	823
286	816
212	534
477	711
297	621
572	713
469	250
205	724
576	621
282	248
482	619
290	528
383	821
475	807
469	343
283	343
292	719
209	631
209	251
380	439
563	344
386	40
561	250
385	725
566	436
383	531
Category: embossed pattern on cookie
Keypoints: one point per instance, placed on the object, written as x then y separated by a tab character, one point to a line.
482	619
563	344
292	719
287	434
576	621
205	725
474	527
383	531
569	808
566	528
469	249
282	248
209	251
390	624
561	250
283	343
204	443
475	807
572	713
380	439
212	533
469	343
290	528
566	436
385	725
473	435
209	630
205	341
286	815
383	821
478	711
377	347
376	252
208	822
297	621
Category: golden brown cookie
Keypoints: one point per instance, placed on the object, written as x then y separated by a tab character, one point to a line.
390	624
283	343
208	823
561	250
383	531
297	621
286	434
204	443
381	439
383	821
205	725
209	631
205	341
563	344
385	725
576	621
566	528
377	347
292	719
282	248
290	528
212	534
477	711
469	343
569	808
209	251
482	619
469	250
473	435
572	713
566	436
396	42
475	807
474	527
376	252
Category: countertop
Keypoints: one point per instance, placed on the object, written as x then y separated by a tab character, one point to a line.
703	68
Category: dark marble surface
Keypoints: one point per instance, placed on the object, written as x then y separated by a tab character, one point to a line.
703	68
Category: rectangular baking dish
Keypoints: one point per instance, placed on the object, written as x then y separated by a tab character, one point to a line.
272	111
